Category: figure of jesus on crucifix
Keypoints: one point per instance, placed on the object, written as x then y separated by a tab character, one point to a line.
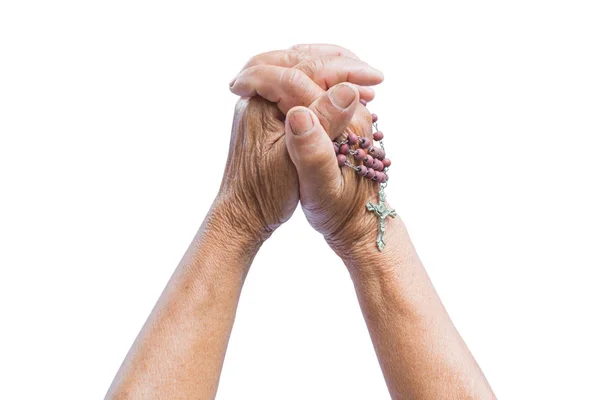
382	212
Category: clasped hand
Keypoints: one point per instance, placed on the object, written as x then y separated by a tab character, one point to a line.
293	103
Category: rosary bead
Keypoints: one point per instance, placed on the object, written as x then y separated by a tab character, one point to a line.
368	161
360	155
370	173
336	147
344	148
377	165
341	159
380	177
364	143
362	170
377	136
377	152
386	162
374	117
352	139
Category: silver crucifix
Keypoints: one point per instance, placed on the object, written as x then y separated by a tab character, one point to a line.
382	212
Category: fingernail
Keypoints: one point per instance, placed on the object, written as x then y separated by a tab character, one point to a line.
378	72
342	96
232	82
301	122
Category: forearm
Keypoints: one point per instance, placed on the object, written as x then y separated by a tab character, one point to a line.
420	351
179	352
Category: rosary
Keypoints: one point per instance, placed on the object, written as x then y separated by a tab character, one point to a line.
374	167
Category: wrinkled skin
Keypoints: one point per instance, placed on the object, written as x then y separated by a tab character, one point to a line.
294	102
260	178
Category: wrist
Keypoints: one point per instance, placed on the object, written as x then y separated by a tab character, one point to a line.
226	242
393	280
231	223
364	260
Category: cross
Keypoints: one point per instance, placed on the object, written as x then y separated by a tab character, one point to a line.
382	212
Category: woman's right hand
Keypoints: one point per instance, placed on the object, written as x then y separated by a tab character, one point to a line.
334	198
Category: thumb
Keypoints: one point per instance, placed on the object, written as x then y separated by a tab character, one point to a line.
311	151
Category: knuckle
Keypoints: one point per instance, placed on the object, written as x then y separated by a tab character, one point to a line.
312	68
293	78
324	115
288	58
255	60
248	72
308	67
259	59
293	58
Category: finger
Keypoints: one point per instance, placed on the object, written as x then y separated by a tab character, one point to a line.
312	153
329	71
281	58
288	87
335	108
320	62
326	71
323	49
297	54
366	93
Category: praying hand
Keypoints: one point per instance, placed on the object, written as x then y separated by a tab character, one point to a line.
302	132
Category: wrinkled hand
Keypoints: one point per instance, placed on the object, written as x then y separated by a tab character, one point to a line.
333	198
260	187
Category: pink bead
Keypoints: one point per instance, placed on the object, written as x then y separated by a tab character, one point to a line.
377	165
386	162
341	159
376	152
374	117
336	147
380	177
364	143
344	148
362	170
370	173
360	155
352	139
377	136
368	161
363	102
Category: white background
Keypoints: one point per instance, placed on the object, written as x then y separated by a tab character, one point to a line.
114	123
